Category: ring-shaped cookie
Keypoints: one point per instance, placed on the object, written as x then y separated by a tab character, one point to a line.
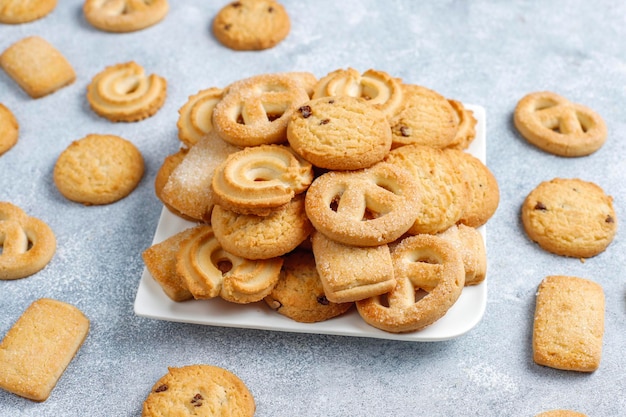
124	15
369	207
196	116
421	263
27	243
124	93
558	126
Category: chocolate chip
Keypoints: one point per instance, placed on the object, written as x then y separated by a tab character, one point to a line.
540	206
325	121
405	131
270	9
236	4
306	111
323	300
161	388
197	400
609	219
227	26
331	101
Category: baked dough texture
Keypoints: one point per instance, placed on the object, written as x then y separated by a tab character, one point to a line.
23	11
9	129
124	15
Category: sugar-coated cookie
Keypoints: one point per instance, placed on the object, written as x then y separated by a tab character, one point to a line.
199	390
13	12
195	118
470	244
251	24
9	129
170	163
98	169
124	15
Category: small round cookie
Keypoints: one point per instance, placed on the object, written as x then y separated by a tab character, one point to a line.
466	126
124	93
124	15
570	217
299	293
262	237
196	116
98	169
13	12
339	133
558	126
27	244
199	390
249	25
9	129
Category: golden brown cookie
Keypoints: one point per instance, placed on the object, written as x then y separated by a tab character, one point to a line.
124	93
25	10
569	324
37	66
199	390
27	244
466	126
561	413
248	25
98	169
339	133
124	15
163	175
299	293
570	217
196	116
470	244
9	129
559	126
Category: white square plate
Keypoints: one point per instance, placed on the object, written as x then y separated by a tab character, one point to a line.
152	302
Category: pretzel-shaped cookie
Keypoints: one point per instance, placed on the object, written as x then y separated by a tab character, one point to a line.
421	263
123	93
124	15
196	116
27	243
258	179
369	207
558	126
210	271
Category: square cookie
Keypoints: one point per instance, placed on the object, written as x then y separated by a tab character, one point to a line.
37	66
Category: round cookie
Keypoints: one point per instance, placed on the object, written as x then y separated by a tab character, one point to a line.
98	169
339	133
248	25
299	293
558	126
196	390
9	129
124	15
570	217
14	12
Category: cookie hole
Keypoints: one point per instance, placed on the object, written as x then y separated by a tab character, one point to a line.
224	265
586	123
261	174
419	294
334	204
240	120
545	103
370	214
384	300
273	116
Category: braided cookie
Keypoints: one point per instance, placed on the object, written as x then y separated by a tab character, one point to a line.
378	88
9	129
341	133
123	93
558	126
124	15
196	116
209	271
24	11
27	244
422	264
258	179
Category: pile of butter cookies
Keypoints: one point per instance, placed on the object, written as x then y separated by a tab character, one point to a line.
316	195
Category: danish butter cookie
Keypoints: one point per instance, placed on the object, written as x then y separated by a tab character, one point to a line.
199	390
262	237
124	15
98	169
466	126
561	413
38	348
350	273
470	244
570	217
196	116
340	133
425	117
9	129
27	244
299	293
24	11
421	264
256	110
558	126
378	88
249	25
37	66
124	93
163	175
569	324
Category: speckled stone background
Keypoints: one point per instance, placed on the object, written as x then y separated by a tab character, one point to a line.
489	53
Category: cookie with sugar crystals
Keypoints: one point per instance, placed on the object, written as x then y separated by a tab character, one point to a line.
14	12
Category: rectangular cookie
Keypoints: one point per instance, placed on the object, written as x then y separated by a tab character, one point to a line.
36	350
569	324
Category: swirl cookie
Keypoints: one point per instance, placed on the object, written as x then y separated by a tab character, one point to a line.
250	25
9	129
299	293
124	15
196	116
558	126
124	93
570	217
466	126
340	133
199	390
27	244
13	12
98	169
